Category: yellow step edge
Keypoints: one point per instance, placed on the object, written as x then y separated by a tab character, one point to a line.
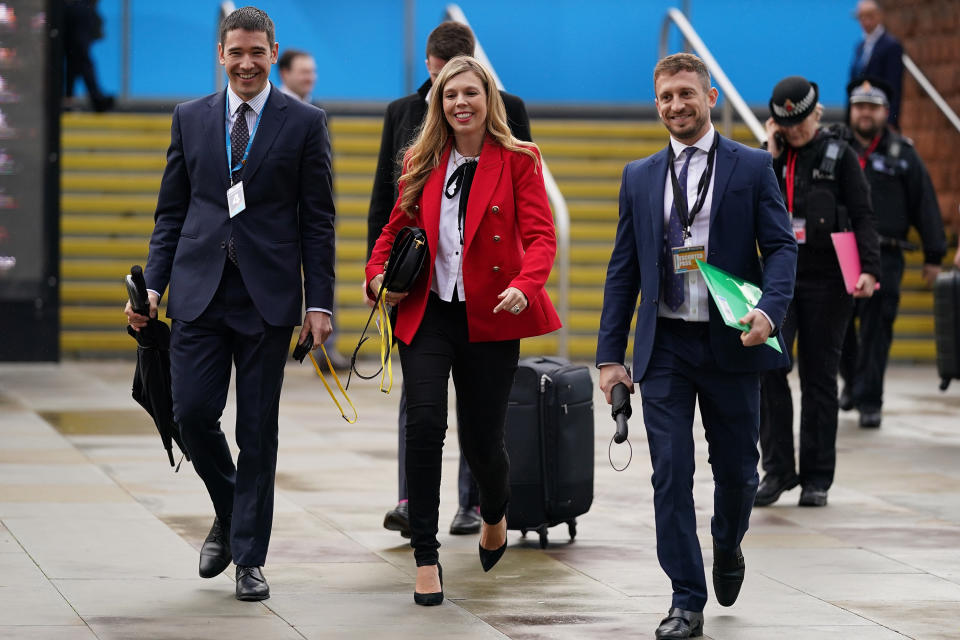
146	204
150	183
154	162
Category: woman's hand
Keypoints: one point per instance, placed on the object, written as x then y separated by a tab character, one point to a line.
773	129
390	297
866	284
511	299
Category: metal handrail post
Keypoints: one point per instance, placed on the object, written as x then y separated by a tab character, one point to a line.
558	203
226	8
125	49
729	92
931	91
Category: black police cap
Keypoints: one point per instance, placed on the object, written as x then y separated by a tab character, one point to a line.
793	99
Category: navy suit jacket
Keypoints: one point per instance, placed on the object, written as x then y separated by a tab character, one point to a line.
886	63
288	223
747	212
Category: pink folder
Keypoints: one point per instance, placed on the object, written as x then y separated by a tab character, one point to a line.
845	244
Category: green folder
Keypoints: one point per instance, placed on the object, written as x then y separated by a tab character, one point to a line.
734	297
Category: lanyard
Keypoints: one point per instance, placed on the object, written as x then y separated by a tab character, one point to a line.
789	178
226	126
680	198
866	154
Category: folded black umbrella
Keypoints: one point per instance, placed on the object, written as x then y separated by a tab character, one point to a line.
151	379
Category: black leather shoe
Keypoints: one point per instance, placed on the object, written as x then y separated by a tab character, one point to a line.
681	623
398	519
870	419
813	497
251	585
215	552
466	522
772	486
846	399
431	599
728	570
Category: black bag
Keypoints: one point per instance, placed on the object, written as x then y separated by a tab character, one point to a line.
549	438
946	312
407	256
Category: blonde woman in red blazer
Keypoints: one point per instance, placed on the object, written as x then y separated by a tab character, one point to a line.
492	244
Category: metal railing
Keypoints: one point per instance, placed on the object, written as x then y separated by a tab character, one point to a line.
938	100
731	95
561	213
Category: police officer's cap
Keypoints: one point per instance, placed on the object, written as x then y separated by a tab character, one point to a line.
793	99
870	90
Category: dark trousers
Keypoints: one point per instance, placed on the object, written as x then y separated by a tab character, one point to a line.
682	369
865	351
201	352
482	376
468	493
817	319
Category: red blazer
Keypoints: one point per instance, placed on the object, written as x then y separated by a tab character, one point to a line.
509	241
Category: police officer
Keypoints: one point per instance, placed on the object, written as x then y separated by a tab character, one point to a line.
903	196
825	192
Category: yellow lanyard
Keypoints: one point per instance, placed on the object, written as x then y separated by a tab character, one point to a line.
386	345
339	386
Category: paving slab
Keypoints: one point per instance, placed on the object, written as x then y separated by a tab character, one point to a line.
99	536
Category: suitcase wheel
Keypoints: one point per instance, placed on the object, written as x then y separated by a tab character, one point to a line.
572	528
542	530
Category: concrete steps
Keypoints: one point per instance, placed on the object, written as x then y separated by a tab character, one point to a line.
112	165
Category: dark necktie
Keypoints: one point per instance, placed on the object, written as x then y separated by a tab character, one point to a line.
673	289
239	137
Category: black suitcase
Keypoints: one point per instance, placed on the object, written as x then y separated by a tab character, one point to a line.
946	313
549	437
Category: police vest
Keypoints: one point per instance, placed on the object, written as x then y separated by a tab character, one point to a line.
818	191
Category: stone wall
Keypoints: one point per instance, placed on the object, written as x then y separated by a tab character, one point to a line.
930	33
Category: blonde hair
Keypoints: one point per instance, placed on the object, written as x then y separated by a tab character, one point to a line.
424	154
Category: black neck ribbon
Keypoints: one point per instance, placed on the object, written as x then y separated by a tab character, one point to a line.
680	198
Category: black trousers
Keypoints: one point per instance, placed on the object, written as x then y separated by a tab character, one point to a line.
866	351
468	493
482	376
681	372
817	319
201	352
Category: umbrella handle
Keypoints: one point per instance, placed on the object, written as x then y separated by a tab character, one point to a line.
137	291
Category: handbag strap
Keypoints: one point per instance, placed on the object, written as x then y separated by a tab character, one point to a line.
385	330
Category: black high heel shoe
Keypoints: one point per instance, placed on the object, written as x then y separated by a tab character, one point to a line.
490	557
431	599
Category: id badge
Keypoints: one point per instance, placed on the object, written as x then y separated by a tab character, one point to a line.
685	258
799	229
236	203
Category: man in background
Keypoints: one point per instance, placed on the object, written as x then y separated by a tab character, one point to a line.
298	74
400	125
879	55
903	197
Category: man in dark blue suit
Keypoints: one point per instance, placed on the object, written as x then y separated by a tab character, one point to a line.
879	55
708	197
245	204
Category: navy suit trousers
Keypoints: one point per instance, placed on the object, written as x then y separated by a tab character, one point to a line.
231	330
683	370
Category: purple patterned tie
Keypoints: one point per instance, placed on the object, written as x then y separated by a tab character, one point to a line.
239	137
673	282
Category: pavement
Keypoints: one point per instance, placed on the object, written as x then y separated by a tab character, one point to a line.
99	538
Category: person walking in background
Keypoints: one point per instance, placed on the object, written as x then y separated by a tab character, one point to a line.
825	193
479	194
245	206
879	55
82	26
718	200
903	197
298	74
400	125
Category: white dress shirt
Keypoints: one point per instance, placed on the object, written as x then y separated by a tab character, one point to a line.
448	267
695	295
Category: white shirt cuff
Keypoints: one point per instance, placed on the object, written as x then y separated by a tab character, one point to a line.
773	327
330	313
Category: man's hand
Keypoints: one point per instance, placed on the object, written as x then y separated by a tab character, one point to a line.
760	329
138	321
772	130
930	273
610	375
866	284
318	324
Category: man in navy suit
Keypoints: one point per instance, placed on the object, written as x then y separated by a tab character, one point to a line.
245	204
710	198
879	55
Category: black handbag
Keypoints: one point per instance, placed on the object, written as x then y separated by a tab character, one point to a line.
407	257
